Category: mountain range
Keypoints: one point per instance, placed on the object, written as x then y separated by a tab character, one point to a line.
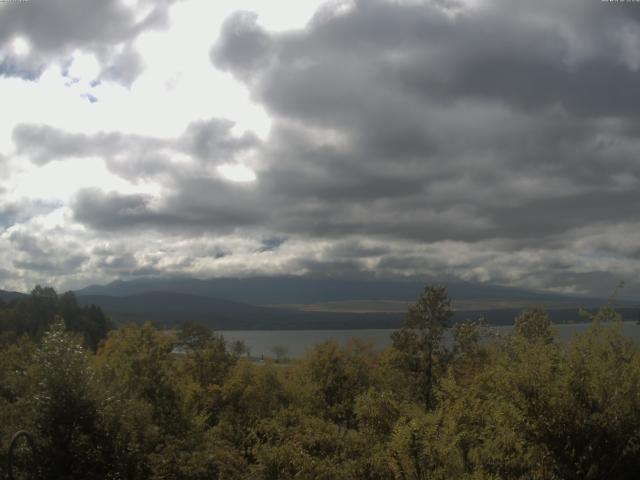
7	295
310	290
289	302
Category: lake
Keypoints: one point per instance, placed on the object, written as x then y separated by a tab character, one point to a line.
298	342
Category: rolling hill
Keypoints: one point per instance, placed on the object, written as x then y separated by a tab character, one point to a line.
309	290
272	303
7	295
170	309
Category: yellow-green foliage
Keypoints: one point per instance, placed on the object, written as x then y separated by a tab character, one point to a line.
153	405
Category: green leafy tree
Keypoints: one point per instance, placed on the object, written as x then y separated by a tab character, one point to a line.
280	352
34	314
409	452
193	335
419	343
17	390
206	358
204	363
534	325
330	378
295	445
250	394
539	409
66	418
239	348
137	363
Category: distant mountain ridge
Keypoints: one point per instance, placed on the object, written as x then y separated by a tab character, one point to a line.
170	309
272	303
7	295
309	290
289	302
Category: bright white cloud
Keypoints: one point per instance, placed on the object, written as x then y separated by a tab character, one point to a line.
236	172
178	86
61	180
84	67
21	46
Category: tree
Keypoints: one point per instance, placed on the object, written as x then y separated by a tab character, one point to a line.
34	314
534	324
294	445
136	363
17	390
193	335
250	394
538	409
66	409
469	352
280	352
330	378
203	364
419	342
240	348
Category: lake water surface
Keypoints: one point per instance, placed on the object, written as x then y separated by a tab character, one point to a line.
298	342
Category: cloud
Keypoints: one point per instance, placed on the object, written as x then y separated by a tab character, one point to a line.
211	140
38	254
55	29
112	210
494	141
134	156
207	205
243	45
407	121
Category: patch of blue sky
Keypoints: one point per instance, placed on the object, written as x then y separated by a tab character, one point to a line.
272	243
5	221
89	97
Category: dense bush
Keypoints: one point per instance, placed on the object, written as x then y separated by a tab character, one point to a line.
150	404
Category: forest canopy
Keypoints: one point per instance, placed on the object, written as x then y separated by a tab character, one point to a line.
141	403
32	315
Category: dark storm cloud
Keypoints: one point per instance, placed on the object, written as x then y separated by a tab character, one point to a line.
398	121
510	52
55	28
112	210
448	127
204	204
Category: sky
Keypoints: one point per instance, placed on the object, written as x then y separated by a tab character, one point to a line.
483	140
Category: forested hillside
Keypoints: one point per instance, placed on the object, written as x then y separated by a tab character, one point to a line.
31	315
525	406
